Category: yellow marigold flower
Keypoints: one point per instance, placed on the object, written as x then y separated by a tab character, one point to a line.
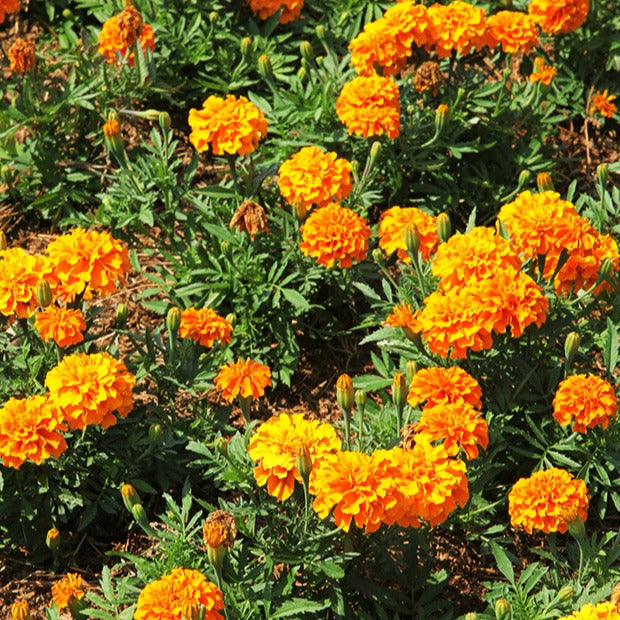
88	262
21	56
205	326
602	611
542	72
8	6
220	529
402	316
30	429
439	386
459	26
244	377
541	501
229	126
20	611
555	16
163	599
121	32
602	102
313	177
335	234
587	399
69	587
266	8
250	216
62	325
275	447
89	388
516	31
370	106
392	232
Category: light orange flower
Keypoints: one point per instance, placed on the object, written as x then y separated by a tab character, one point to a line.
30	429
392	232
459	26
587	400
542	501
244	377
335	234
516	31
402	316
22	56
20	610
69	587
370	106
205	326
62	325
542	72
276	445
602	102
439	386
8	6
163	599
555	16
603	611
266	8
120	33
89	388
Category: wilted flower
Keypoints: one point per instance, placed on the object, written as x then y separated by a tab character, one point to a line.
205	326
542	71
392	231
21	56
121	32
266	8
250	217
516	31
428	76
69	588
62	325
220	529
555	16
602	102
246	378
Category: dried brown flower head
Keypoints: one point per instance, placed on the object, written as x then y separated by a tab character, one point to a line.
21	56
130	25
220	529
428	76
250	216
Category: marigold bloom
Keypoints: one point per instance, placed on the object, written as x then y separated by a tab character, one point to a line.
602	102
542	71
163	599
516	31
439	386
555	16
62	325
266	8
587	399
250	217
603	611
220	529
229	126
20	610
275	447
89	388
313	177
30	429
8	6
88	262
111	128
542	501
402	316
335	234
205	326
22	56
459	26
121	32
244	377
69	587
392	231
370	106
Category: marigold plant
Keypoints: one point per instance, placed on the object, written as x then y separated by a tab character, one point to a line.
459	26
8	6
542	72
120	33
22	56
438	386
266	8
603	103
559	16
62	325
243	377
392	231
205	326
70	587
516	31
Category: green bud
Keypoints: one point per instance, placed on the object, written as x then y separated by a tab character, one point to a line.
360	401
411	370
302	74
377	256
571	346
67	14
307	53
576	527
173	320
303	461
524	179
265	68
444	227
231	317
502	608
122	311
6	174
155	432
139	514
442	114
130	496
221	446
472	615
213	16
320	32
345	394
374	150
412	239
607	264
44	293
164	120
566	593
246	46
602	172
399	391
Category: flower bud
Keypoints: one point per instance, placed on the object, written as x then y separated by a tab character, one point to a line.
231	317
602	172
544	182
246	46
377	256
164	120
411	370
444	227
190	610
374	150
130	496
320	32
575	524
502	608
3	245
20	611
139	514
360	401
265	68
307	53
399	391
173	320
6	174
524	179
566	593
302	74
345	393
44	293
122	311
303	461
299	211
472	615
221	446
52	540
155	432
219	532
412	239
571	346
607	264
441	117
213	16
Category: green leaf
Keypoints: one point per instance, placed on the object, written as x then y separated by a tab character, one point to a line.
610	349
503	562
298	607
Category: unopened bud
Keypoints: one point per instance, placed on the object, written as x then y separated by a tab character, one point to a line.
544	182
566	593
155	432
307	53
190	610
399	391
265	68
472	615
139	514
122	312
320	32
213	16
246	46
164	120
571	346
524	179
300	211
302	74
602	172
130	496
6	174
20	611
444	227
231	317
411	370
360	401
575	525
412	239
441	117
221	446
374	150
44	293
377	256
607	264
345	394
52	540
226	248
173	320
303	461
502	608
3	245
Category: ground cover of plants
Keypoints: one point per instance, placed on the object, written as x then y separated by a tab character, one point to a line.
309	310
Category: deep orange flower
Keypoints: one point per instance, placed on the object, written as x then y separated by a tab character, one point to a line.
121	32
555	16
69	587
276	445
312	177
89	388
220	530
205	326
8	6
603	611
542	71
30	429
392	231
370	106
516	31
587	399
459	26
111	128
402	316
542	501
602	102
244	377
163	599
335	234
62	325
266	8
229	126
22	56
439	386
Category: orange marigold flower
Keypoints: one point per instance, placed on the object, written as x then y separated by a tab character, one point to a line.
313	177
205	326
439	386
542	71
275	447
587	399
30	429
542	501
69	587
244	377
121	32
335	234
266	8
602	102
20	610
516	31
111	128
8	6
230	126
392	231
89	388
370	106
459	26
62	325
603	611
88	262
22	56
554	16
220	529
402	316
163	599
